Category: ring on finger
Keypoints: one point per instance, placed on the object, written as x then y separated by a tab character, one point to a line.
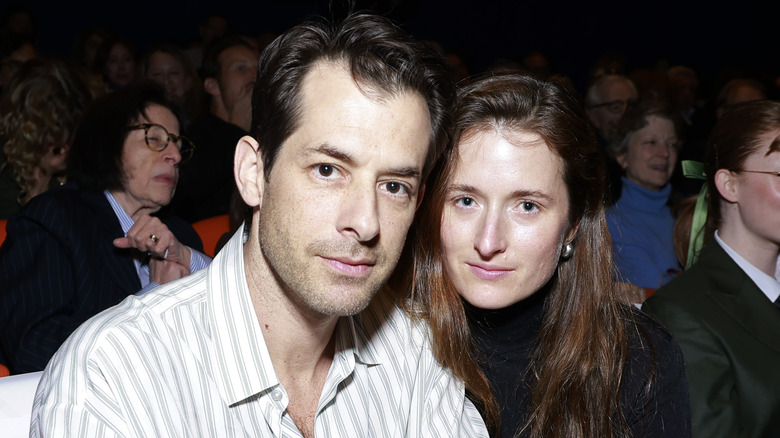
154	238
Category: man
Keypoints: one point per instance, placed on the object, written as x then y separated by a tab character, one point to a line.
285	334
206	185
606	100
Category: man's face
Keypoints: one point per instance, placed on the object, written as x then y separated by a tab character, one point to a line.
342	193
615	99
237	74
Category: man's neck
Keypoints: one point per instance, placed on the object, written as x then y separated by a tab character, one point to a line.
300	342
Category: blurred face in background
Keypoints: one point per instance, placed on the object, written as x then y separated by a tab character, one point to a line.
120	66
164	69
651	154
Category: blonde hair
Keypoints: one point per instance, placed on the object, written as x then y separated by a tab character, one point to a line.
42	107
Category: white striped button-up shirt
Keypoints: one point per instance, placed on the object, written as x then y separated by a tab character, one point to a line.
189	360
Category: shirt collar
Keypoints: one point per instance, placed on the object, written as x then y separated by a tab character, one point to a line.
768	284
125	221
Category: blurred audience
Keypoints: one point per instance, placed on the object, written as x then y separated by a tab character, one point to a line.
117	59
723	310
15	50
645	144
229	72
168	65
38	119
79	249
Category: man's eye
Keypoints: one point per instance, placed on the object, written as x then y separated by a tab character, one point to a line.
325	169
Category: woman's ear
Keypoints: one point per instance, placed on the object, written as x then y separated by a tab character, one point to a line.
248	170
621	160
727	184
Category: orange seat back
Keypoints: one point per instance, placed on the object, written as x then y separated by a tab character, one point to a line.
210	230
2	230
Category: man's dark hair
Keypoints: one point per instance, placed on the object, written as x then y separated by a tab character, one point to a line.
383	60
95	157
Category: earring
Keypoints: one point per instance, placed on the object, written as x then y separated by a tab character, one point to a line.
568	251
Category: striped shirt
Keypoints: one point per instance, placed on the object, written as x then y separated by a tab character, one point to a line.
189	360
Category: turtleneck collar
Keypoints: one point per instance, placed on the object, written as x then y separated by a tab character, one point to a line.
640	198
510	328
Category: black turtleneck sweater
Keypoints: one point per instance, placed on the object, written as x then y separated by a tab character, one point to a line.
505	338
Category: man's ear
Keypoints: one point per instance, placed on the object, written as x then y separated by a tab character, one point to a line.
248	169
727	184
211	86
420	197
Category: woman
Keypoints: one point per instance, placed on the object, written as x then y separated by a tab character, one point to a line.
77	250
723	310
117	58
513	267
38	119
640	222
168	65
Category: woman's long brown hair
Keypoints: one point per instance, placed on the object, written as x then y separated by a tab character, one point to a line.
581	349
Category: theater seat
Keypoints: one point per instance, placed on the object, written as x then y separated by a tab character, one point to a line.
2	230
210	230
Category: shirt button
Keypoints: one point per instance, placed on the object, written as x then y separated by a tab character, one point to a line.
276	394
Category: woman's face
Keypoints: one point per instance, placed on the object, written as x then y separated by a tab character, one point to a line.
651	155
120	66
757	196
149	176
505	218
166	70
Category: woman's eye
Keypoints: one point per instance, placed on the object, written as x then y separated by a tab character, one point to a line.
465	202
528	206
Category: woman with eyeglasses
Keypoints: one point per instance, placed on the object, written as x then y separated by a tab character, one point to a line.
79	249
641	224
724	310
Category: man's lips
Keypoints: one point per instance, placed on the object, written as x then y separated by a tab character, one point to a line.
350	266
489	272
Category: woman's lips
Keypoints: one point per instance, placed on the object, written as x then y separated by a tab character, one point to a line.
489	272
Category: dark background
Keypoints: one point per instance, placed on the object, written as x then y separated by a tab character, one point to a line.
717	40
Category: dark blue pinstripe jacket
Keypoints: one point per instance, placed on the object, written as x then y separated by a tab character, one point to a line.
59	267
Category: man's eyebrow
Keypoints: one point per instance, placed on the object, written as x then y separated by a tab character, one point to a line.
335	153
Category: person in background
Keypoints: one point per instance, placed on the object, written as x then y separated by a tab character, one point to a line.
291	331
207	184
640	222
167	65
15	50
117	59
724	310
38	119
606	100
512	263
82	248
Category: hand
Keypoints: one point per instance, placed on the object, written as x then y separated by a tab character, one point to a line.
162	271
163	246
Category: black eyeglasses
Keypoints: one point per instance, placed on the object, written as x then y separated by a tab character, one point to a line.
618	106
765	172
157	138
